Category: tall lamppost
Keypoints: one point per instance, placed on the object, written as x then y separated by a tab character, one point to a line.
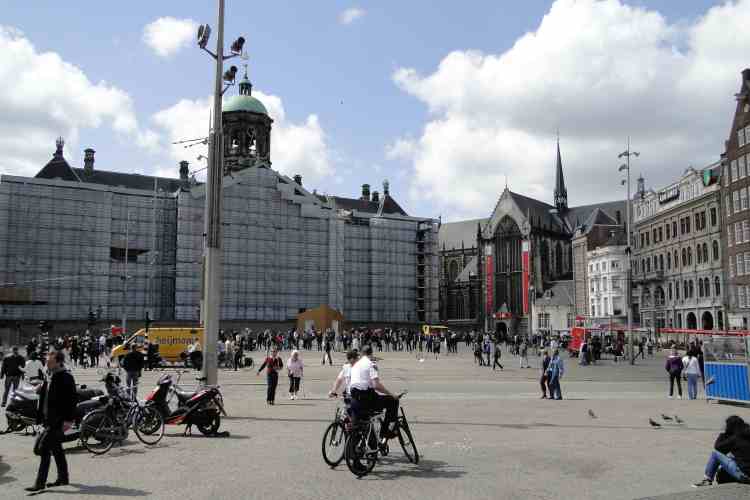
212	258
125	278
629	297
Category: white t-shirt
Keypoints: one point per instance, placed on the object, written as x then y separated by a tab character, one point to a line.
346	375
32	367
363	373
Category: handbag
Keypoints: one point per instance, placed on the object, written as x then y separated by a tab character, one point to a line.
41	442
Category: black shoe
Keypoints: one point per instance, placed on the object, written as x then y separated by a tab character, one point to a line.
59	482
35	488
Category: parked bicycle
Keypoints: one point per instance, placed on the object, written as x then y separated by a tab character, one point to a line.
363	445
102	428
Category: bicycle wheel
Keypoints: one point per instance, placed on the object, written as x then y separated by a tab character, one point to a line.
149	426
406	439
98	432
358	460
334	444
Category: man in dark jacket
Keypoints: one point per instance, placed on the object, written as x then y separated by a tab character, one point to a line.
133	365
735	440
12	371
57	404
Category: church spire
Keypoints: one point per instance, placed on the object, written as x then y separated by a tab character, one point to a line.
560	194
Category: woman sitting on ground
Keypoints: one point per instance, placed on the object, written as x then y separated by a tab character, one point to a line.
734	441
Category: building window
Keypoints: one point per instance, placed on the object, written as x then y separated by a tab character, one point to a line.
705	252
731	267
715	249
648	265
676	261
734	170
730	236
747	262
697	222
741	137
604	284
669	291
713	216
717	286
690	256
605	309
677	290
687	225
738	232
741	296
700	287
743	198
669	260
728	205
707	287
740	264
661	233
571	319
647	241
691	288
736	200
741	167
698	253
685	290
684	257
656	240
746	230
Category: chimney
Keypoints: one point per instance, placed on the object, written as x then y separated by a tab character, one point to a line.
376	197
386	188
88	161
298	179
184	170
746	75
365	192
618	217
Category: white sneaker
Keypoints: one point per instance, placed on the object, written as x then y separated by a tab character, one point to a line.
670	396
679	397
291	397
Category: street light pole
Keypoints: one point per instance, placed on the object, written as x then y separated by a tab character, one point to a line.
212	257
629	299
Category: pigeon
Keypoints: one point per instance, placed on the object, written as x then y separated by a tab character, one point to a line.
678	420
666	417
653	424
592	414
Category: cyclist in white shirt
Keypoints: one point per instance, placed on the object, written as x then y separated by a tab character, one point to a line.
345	375
369	394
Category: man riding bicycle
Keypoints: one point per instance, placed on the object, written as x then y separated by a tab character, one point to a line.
369	394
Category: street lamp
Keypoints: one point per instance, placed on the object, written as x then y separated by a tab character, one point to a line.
629	297
212	259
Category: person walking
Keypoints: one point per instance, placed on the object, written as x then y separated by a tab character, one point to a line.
57	404
674	367
497	355
692	371
132	363
294	367
524	355
33	368
543	379
12	371
272	364
327	353
555	371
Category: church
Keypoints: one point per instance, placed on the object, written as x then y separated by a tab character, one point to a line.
494	270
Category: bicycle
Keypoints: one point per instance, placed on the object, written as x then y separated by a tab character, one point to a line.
335	437
363	444
102	428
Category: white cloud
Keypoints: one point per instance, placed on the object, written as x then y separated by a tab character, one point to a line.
598	70
296	148
350	15
167	35
44	97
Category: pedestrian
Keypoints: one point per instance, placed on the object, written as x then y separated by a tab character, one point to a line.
436	347
555	371
272	364
57	404
524	355
498	354
327	352
294	367
692	371
132	363
543	379
12	371
238	353
33	368
674	366
731	452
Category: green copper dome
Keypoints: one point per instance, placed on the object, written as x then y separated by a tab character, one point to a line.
243	103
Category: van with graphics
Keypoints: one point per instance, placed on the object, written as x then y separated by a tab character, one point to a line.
173	343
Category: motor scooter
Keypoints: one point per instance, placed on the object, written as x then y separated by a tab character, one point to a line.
21	412
202	408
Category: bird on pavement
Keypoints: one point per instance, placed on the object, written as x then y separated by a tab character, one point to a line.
592	414
653	424
678	420
666	417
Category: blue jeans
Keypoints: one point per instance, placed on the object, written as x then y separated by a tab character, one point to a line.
727	463
555	392
692	381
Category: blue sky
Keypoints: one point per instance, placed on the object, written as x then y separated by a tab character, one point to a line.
344	74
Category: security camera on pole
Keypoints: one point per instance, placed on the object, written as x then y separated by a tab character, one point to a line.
629	297
212	261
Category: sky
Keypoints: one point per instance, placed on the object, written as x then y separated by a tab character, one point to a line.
448	102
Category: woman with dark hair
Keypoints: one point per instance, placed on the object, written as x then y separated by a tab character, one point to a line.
735	440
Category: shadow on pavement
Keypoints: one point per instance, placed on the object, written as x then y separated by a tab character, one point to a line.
425	469
539	425
4	469
100	490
